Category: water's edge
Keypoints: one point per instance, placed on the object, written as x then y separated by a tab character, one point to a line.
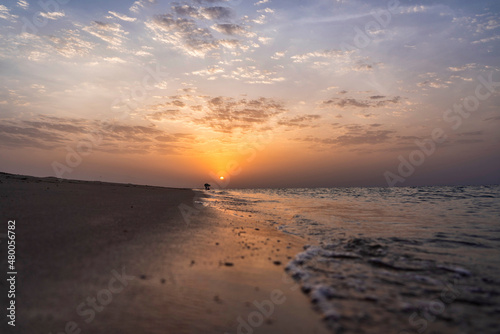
404	260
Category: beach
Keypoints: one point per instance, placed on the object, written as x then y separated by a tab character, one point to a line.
94	257
388	260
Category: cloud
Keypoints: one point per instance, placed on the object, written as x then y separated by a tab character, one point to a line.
52	15
303	121
23	4
70	44
302	58
487	39
138	5
436	83
254	75
44	133
209	1
15	136
115	60
470	134
414	9
362	66
265	40
336	60
494	118
376	101
463	68
221	114
278	55
195	30
260	20
186	10
261	2
266	10
111	33
230	29
123	17
67	43
57	124
368	137
169	114
216	13
210	71
6	15
227	114
50	133
184	34
348	103
353	135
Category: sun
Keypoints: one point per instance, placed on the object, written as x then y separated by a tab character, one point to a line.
221	178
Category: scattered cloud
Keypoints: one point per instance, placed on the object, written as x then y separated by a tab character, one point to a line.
138	5
225	114
70	44
209	1
44	133
376	101
278	55
463	67
6	15
217	13
352	135
169	114
436	83
254	75
210	71
266	10
302	58
413	9
230	29
336	60
52	15
111	33
115	60
487	39
47	132
260	20
265	40
183	34
303	121
186	10
23	4
494	118
123	17
261	2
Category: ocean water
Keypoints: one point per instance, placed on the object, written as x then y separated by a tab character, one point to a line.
389	260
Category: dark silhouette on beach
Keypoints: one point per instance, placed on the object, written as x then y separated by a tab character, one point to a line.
207	186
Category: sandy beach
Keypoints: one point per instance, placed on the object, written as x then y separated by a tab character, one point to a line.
96	257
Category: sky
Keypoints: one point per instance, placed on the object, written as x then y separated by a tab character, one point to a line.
270	93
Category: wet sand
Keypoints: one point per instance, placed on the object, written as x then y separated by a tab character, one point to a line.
96	257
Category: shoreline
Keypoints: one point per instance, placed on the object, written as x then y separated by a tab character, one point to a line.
107	257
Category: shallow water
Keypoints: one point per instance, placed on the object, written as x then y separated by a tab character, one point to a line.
398	260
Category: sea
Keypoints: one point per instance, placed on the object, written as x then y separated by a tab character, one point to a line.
388	260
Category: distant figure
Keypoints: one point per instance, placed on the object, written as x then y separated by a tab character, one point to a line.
207	186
